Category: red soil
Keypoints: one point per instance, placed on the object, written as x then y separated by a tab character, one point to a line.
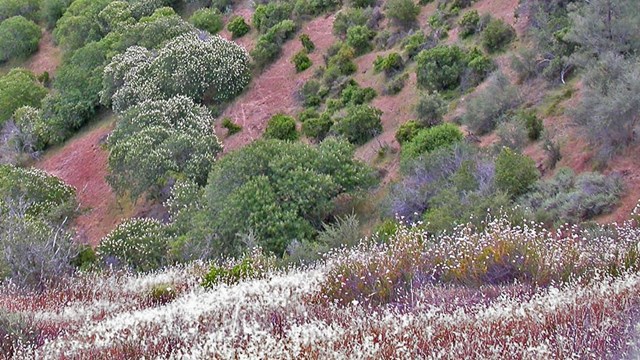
47	58
83	163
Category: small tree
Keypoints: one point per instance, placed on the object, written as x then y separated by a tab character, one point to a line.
361	123
19	38
440	68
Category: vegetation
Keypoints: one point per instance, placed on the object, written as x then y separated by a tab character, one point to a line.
360	124
281	127
430	139
19	38
19	88
301	61
209	20
402	12
238	27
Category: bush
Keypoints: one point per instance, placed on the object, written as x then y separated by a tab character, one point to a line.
515	173
478	67
414	44
301	61
179	132
350	17
16	331
232	128
360	124
407	131
310	93
390	64
237	27
395	85
135	244
532	123
307	44
19	88
430	109
497	35
208	20
269	15
402	12
224	6
567	198
52	10
161	294
314	7
19	38
281	127
353	94
440	68
512	134
430	139
80	24
469	23
490	106
342	61
359	38
269	45
27	8
317	128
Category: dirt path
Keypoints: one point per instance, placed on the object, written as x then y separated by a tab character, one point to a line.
83	163
47	58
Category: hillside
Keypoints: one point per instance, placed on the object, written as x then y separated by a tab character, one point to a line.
312	179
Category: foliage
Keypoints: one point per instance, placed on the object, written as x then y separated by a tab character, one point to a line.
237	26
306	42
497	35
80	24
269	44
390	64
19	88
317	127
440	68
407	131
515	173
430	139
532	123
136	244
52	10
281	127
301	61
310	93
359	38
571	198
512	134
27	8
469	23
490	106
353	94
16	330
360	124
270	14
232	128
162	294
158	140
430	109
402	12
350	17
19	38
414	44
207	19
395	85
341	62
314	7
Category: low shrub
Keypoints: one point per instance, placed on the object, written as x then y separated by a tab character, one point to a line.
395	85
16	331
360	124
270	14
281	127
251	266
317	128
269	45
353	94
407	131
350	17
237	26
414	44
301	61
491	106
497	35
390	64
469	23
19	88
309	93
402	12
161	294
208	19
430	109
307	44
512	134
532	123
359	38
440	68
430	139
232	128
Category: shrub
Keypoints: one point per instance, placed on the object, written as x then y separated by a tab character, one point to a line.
353	94
19	38
136	244
80	24
161	294
317	128
407	131
512	134
414	44
469	23
440	68
430	109
115	17
430	139
269	15
310	93
478	67
359	38
224	6
390	64
86	259
27	8
180	134
16	331
237	26
269	45
402	12
314	7
497	35
570	198
342	61
19	88
301	61
307	44
208	20
350	17
281	127
532	123
395	85
515	173
52	10
362	3
360	124
232	128
490	106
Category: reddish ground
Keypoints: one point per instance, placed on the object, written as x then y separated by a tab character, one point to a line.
83	163
47	58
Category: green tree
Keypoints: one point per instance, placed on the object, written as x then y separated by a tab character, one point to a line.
19	38
360	124
19	88
440	68
515	173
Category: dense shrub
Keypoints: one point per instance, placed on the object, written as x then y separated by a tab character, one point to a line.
430	109
341	62
532	123
512	134
440	68
395	85
281	127
181	136
19	38
430	139
126	65
360	124
115	17
19	88
224	6
469	23
80	24
207	19
350	17
52	10
136	244
306	42
390	64
570	198
210	68
314	7
497	35
478	67
515	173
27	8
317	127
301	61
270	14
238	27
359	38
490	106
309	93
353	94
402	12
407	131
269	45
414	44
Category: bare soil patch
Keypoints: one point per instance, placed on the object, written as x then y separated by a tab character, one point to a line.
47	58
